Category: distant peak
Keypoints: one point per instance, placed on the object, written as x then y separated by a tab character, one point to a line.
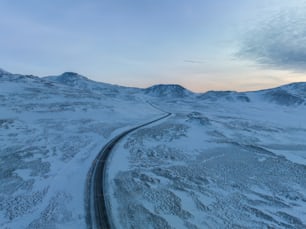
167	86
167	90
295	85
3	72
72	74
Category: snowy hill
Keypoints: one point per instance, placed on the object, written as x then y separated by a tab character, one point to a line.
69	78
3	72
289	95
283	97
297	89
81	82
224	95
167	91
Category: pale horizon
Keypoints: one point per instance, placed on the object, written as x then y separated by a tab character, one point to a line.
193	89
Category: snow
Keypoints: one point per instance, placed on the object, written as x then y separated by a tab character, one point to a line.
222	166
49	134
222	159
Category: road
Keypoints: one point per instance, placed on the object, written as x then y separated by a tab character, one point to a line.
96	209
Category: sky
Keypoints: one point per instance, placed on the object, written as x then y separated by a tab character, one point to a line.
201	44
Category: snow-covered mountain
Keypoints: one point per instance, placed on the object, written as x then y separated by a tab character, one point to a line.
297	89
3	72
168	91
224	95
75	80
291	94
287	95
71	79
222	160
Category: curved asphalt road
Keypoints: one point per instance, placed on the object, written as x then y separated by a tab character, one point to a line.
96	209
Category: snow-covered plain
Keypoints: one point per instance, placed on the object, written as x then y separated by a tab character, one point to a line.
222	160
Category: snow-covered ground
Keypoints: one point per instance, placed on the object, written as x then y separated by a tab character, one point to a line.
49	135
213	164
222	160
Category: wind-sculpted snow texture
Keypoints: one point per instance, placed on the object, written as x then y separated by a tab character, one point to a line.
221	160
214	164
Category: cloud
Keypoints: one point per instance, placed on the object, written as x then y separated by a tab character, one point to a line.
278	42
194	61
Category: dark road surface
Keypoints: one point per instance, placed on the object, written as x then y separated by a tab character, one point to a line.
96	209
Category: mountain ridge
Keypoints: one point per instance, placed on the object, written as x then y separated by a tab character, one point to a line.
288	94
